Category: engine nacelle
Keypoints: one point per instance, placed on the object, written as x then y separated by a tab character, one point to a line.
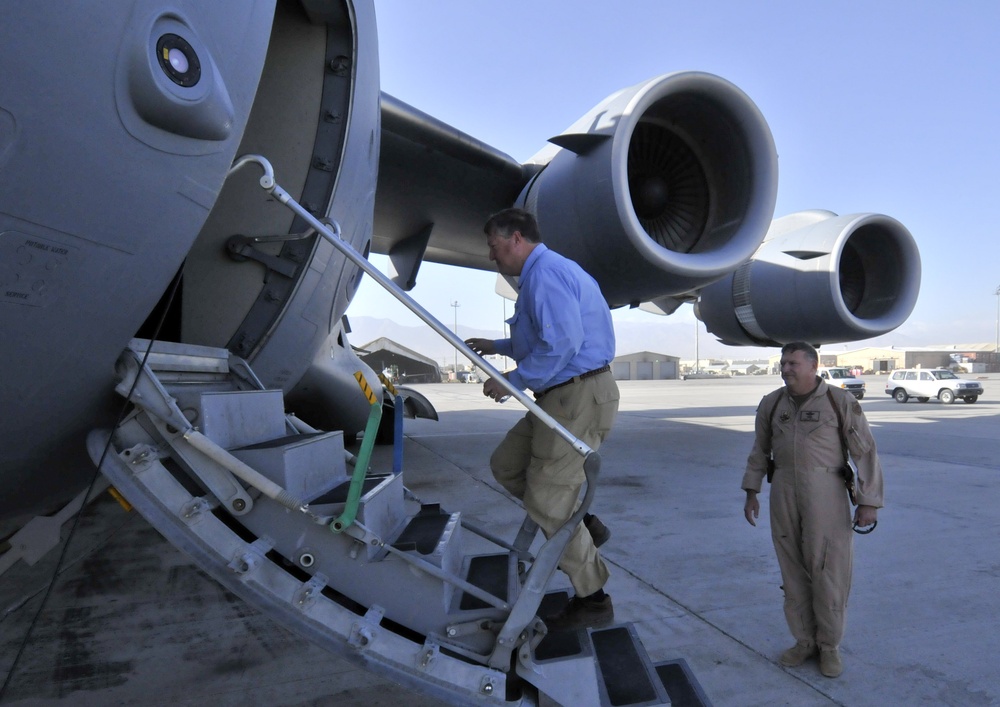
660	189
820	278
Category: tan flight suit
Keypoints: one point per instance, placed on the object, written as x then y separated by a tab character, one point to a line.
539	467
810	512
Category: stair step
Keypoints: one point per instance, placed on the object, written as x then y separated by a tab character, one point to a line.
560	644
625	669
624	673
437	538
557	644
490	573
425	531
167	357
307	466
240	418
338	494
435	534
681	685
381	508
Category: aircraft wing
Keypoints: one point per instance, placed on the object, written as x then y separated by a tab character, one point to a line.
435	184
665	193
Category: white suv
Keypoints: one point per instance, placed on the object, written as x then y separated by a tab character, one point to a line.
926	383
842	378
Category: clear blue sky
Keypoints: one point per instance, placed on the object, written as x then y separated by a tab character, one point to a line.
891	107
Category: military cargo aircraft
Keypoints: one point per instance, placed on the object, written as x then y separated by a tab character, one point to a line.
188	194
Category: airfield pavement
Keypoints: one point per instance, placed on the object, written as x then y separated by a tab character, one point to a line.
131	621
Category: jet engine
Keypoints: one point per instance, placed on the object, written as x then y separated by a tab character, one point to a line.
820	278
660	189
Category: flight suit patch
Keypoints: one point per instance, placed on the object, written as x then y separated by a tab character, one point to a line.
856	407
809	416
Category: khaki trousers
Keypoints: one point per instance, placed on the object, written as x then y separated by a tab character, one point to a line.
811	530
542	470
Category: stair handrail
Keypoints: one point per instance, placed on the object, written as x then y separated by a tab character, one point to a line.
524	609
333	236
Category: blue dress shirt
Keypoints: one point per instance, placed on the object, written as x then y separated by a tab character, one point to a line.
561	325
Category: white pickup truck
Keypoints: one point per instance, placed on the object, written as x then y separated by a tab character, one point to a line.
842	378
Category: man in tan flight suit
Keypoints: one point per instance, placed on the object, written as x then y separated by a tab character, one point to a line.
810	511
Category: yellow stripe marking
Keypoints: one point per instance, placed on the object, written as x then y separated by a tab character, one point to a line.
365	388
388	384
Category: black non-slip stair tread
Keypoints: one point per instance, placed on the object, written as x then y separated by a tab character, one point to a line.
681	685
622	668
423	532
489	573
339	493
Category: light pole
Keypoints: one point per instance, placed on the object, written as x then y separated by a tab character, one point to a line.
996	348
697	367
456	305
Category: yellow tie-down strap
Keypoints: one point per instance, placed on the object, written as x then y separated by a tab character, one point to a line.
388	384
365	388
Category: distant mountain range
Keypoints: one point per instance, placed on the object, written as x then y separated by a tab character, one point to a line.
666	337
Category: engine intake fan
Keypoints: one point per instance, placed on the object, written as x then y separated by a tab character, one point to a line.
819	278
662	188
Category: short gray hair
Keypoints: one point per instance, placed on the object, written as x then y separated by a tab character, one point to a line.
505	222
794	346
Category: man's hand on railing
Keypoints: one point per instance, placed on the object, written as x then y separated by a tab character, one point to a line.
483	347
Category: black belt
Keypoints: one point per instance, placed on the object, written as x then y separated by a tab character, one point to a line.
575	379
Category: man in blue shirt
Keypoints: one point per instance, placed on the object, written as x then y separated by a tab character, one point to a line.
562	340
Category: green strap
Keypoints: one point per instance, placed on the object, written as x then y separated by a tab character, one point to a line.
345	519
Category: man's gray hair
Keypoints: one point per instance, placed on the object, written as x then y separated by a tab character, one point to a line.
794	346
505	222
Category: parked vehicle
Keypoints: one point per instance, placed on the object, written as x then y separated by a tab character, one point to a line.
842	378
924	384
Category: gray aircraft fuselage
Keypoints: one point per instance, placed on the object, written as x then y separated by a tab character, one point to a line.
113	181
118	128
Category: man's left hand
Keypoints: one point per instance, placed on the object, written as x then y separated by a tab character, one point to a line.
493	389
483	347
865	516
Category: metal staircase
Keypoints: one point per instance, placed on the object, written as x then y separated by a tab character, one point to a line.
395	590
281	515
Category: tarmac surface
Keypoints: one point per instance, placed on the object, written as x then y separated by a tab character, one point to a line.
131	621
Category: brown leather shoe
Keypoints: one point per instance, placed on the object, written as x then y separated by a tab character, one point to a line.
583	613
599	532
797	654
829	662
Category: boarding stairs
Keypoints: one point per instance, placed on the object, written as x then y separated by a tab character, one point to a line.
395	590
345	556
